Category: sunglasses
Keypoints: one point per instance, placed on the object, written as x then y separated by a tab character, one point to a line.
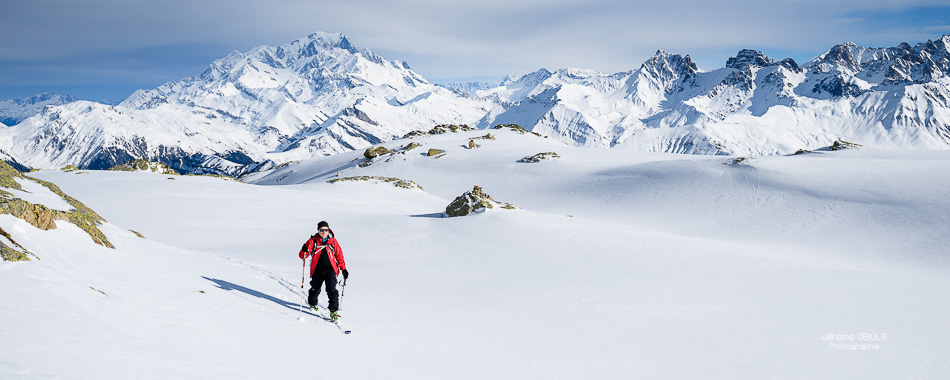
324	230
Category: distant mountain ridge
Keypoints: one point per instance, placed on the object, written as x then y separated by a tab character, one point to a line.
754	105
13	111
320	95
468	87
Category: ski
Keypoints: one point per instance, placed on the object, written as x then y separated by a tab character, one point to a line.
338	325
345	331
319	314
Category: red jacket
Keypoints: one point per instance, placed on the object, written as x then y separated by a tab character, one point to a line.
336	253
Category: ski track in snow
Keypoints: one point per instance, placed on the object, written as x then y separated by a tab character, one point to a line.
280	280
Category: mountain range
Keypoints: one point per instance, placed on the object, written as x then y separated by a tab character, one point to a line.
13	111
321	95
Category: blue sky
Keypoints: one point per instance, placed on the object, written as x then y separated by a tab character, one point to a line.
106	49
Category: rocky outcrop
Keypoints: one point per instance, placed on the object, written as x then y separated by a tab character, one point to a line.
376	152
473	202
143	165
405	184
43	217
516	128
440	129
843	145
838	86
539	157
14	253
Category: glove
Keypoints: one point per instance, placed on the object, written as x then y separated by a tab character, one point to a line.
346	274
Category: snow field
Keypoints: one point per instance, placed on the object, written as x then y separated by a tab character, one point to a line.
667	267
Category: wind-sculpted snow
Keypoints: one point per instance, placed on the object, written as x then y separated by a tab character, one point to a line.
321	95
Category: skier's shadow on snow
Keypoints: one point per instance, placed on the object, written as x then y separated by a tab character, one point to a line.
229	287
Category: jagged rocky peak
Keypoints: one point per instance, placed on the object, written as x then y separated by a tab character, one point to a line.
790	64
313	44
666	65
330	40
749	57
841	55
303	50
753	58
530	79
905	48
322	50
936	54
941	46
903	63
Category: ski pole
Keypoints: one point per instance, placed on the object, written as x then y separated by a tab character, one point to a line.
342	292
303	279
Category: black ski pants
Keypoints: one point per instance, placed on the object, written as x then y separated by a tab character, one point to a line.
324	277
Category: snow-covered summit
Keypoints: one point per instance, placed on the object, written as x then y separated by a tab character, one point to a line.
314	96
668	67
305	68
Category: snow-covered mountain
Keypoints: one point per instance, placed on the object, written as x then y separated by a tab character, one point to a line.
320	95
314	96
754	105
13	111
588	108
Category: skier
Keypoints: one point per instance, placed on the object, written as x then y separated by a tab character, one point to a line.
325	266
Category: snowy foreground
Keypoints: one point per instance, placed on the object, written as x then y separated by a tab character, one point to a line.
617	265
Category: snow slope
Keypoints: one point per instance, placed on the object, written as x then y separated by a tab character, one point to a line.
618	264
